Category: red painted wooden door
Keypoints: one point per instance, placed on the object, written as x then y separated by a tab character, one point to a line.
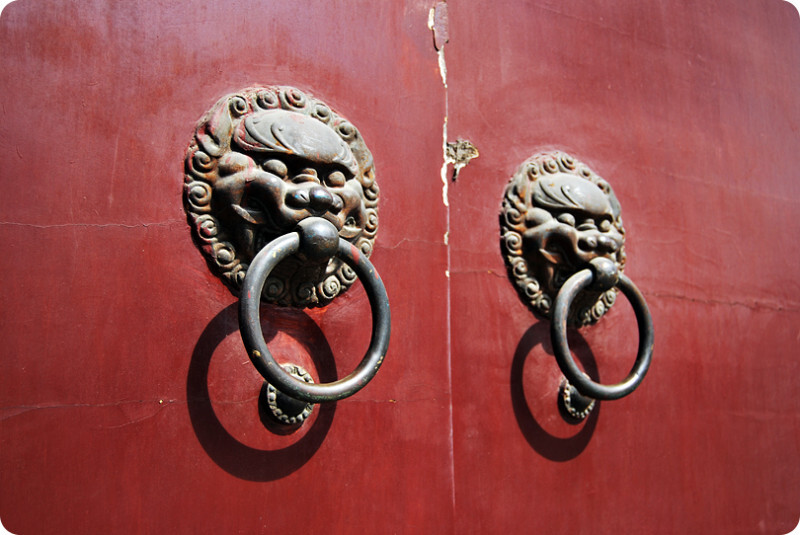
129	406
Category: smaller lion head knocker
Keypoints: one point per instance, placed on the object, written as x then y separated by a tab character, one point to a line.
557	216
262	160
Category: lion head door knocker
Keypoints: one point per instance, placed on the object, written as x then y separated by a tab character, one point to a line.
281	193
564	246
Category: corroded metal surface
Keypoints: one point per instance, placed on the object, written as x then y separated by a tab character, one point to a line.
263	159
557	215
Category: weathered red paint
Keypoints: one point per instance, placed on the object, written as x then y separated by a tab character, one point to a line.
128	404
691	112
107	426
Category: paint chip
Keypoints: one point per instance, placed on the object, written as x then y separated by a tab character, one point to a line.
459	153
438	23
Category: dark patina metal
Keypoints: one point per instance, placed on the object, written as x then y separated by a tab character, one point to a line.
564	246
558	334
281	193
313	239
262	160
286	409
575	405
557	215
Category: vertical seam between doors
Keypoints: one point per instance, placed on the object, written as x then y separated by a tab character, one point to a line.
446	239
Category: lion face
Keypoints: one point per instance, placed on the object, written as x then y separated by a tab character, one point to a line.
261	161
569	223
285	167
557	216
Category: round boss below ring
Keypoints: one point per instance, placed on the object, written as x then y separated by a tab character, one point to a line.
285	409
576	404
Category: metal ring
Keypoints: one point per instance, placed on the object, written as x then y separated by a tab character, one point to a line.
558	335
253	337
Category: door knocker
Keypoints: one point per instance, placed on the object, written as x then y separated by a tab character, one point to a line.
564	246
280	192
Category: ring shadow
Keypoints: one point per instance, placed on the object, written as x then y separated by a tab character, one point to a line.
550	446
226	451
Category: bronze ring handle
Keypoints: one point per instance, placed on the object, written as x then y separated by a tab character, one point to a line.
317	238
604	272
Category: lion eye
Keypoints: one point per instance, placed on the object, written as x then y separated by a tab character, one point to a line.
567	219
276	167
335	179
605	225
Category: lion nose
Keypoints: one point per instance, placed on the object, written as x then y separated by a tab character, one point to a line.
320	200
607	244
598	243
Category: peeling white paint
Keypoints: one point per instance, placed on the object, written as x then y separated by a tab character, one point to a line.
443	74
443	68
445	161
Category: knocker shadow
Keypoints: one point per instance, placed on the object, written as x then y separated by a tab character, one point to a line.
230	454
550	446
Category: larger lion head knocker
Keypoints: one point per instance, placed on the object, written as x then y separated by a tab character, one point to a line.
262	160
558	215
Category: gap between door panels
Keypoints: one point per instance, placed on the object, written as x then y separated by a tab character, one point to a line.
437	24
455	155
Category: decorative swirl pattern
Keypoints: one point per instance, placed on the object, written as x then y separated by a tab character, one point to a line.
365	246
368	181
566	161
609	297
520	269
513	216
346	274
304	292
201	163
372	220
198	195
267	100
331	287
322	112
550	165
224	255
237	274
294	98
531	289
513	242
206	227
346	130
274	288
371	194
238	106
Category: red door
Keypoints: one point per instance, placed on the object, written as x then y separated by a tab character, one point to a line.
129	404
